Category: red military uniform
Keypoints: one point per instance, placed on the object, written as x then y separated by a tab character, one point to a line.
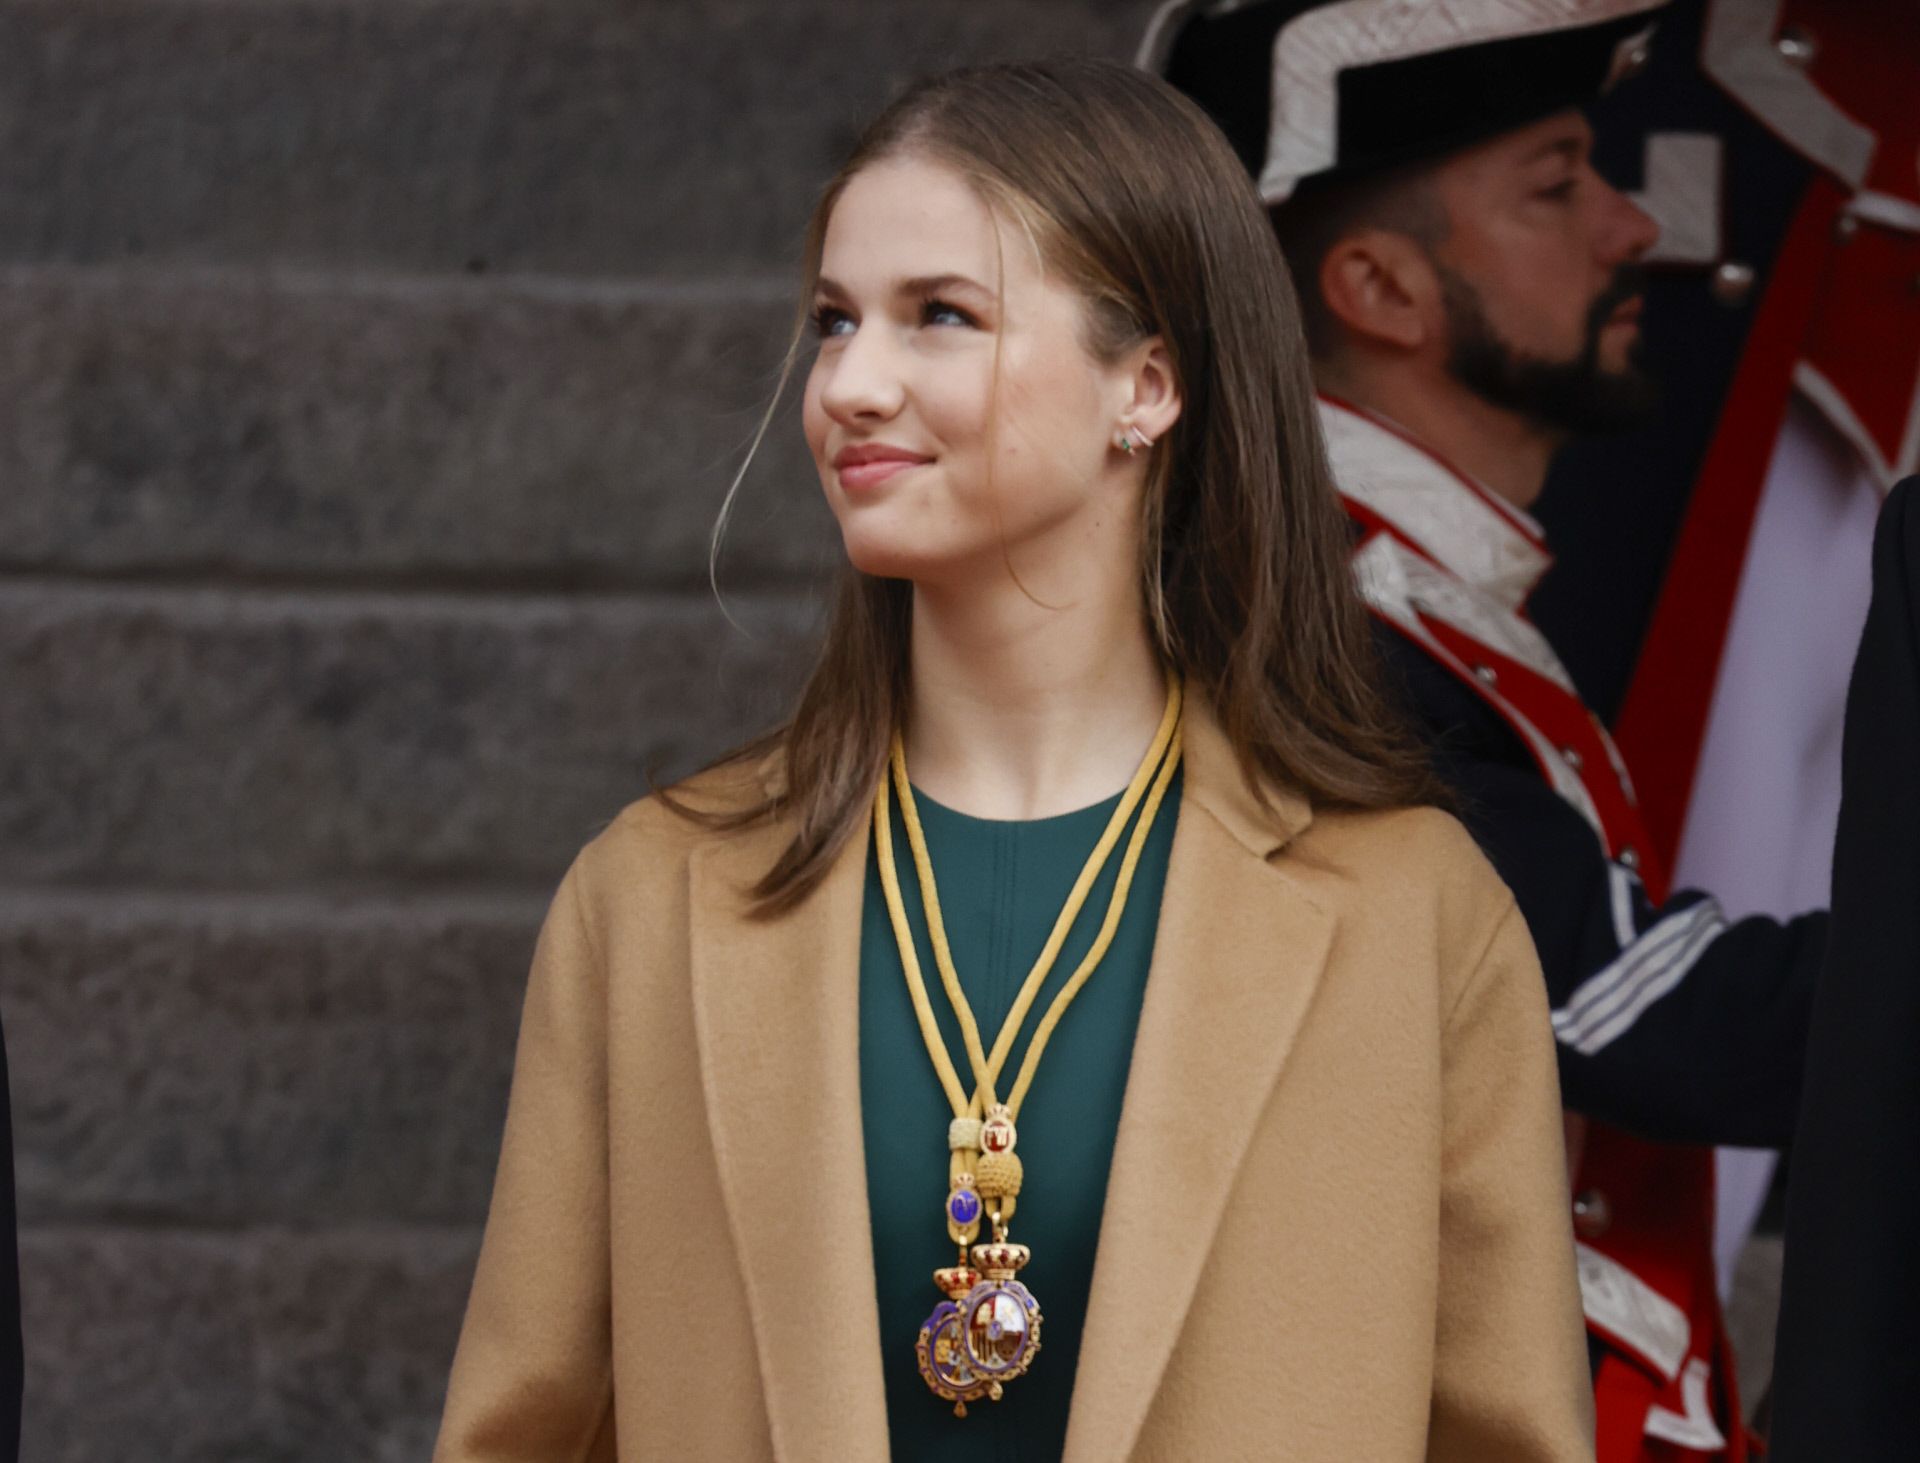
1838	325
1446	565
1733	716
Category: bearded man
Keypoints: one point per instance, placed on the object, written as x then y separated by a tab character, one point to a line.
1471	289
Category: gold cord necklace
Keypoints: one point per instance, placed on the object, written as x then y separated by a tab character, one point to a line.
987	1330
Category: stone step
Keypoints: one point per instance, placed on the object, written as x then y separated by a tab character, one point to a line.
272	1346
439	135
261	1060
207	423
197	738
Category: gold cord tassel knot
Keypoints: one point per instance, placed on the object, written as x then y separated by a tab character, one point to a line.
998	1175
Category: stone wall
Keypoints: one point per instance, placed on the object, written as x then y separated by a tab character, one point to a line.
370	372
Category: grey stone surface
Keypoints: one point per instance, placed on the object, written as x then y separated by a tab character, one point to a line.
239	1347
195	423
197	738
260	1061
685	135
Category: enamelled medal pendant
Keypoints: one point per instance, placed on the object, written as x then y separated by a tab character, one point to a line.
987	1330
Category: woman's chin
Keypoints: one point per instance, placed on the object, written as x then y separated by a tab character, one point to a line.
883	556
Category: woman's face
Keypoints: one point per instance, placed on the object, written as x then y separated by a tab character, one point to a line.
934	473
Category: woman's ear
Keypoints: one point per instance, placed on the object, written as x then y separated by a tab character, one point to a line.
1154	404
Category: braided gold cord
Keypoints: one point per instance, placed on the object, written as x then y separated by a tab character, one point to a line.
1163	756
997	1176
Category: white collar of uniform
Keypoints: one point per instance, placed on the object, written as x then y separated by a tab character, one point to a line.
1464	526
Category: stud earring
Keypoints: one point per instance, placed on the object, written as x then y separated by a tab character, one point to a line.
1131	440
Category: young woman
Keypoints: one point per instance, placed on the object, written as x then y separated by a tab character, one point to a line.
1068	1036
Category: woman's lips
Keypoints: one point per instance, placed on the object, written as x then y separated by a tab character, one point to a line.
858	477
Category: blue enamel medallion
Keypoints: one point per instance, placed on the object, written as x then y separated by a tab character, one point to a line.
963	1206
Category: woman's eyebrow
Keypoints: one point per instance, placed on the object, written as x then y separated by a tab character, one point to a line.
923	284
933	284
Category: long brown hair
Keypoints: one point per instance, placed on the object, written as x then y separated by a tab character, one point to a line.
1134	198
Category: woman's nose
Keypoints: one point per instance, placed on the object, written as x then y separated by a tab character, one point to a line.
863	380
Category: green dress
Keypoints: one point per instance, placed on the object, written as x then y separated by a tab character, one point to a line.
1001	885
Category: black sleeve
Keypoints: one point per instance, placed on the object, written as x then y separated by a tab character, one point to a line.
1671	1021
1847	1368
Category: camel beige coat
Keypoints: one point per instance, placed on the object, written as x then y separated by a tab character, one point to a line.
1336	1229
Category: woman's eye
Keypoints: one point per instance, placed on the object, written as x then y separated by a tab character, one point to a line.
1559	192
829	321
939	312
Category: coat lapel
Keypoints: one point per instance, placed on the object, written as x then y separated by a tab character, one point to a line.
1236	961
776	1007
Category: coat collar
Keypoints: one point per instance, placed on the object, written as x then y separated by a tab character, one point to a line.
1261	819
776	1018
1237	958
1238	954
1467	529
